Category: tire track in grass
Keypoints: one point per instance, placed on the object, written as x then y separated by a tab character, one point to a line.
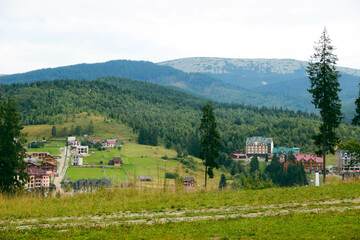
178	216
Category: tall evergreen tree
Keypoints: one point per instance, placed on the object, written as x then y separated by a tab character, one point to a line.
209	140
325	87
254	164
12	153
53	131
356	119
222	183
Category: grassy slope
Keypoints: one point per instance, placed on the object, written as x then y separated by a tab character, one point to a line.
329	225
138	159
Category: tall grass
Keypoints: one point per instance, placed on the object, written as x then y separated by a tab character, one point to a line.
108	201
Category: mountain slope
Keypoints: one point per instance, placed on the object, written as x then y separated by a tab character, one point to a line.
171	115
270	77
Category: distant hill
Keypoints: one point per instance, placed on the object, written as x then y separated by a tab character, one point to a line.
270	77
171	115
195	83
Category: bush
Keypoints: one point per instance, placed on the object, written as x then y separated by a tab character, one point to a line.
171	175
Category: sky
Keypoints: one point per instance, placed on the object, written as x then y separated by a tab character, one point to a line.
47	33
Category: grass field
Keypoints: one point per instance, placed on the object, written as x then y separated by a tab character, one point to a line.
103	129
328	225
52	148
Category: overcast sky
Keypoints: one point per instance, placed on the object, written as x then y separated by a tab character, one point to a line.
45	33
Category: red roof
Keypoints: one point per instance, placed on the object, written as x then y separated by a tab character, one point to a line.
306	157
35	171
237	155
111	141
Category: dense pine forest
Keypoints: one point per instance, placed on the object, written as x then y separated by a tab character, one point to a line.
169	115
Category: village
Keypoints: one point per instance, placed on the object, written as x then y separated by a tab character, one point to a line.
48	172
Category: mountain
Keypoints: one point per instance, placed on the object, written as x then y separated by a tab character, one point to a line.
171	115
274	78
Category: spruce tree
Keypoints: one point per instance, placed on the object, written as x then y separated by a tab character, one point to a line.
209	140
12	153
53	131
222	183
356	119
254	164
324	88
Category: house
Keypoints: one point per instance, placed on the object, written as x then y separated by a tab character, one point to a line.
116	161
344	162
29	159
95	140
238	156
145	178
77	160
49	158
38	178
259	146
49	167
71	140
37	155
32	165
82	150
310	162
110	143
189	181
281	152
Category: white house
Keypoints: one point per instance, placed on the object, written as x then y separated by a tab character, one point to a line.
82	150
77	160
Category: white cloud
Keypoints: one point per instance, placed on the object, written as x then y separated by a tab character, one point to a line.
42	33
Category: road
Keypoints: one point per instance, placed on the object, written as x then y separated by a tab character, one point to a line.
62	167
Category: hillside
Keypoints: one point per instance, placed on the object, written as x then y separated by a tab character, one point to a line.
196	83
272	78
171	115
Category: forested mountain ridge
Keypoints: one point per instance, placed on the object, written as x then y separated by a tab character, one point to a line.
271	77
171	115
196	83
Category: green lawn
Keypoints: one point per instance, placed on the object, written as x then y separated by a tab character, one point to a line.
104	156
76	173
52	148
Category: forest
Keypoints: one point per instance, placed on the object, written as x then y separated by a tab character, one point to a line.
170	115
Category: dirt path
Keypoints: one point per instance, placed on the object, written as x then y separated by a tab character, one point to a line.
180	216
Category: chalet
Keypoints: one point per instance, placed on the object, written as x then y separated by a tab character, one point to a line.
37	155
189	181
95	140
346	163
116	161
259	146
38	178
310	162
238	156
110	143
281	152
32	165
50	159
77	160
49	167
145	178
29	159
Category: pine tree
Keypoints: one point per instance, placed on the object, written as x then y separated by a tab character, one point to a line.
325	86
254	164
53	131
222	183
356	119
209	140
12	153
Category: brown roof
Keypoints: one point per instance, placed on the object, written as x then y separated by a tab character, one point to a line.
189	179
35	171
117	159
